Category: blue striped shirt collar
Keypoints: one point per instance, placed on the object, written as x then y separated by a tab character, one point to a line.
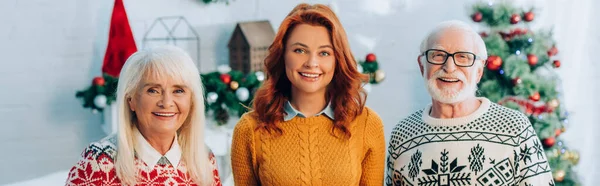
291	112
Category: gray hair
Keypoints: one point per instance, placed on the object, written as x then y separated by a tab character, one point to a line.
480	49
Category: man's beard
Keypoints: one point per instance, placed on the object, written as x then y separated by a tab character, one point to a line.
451	95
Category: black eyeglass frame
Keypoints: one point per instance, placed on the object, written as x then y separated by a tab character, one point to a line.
448	55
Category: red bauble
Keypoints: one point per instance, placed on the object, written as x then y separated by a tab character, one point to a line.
226	78
517	81
528	16
494	62
515	18
483	34
549	142
371	57
532	59
557	132
556	63
535	96
477	17
552	51
98	81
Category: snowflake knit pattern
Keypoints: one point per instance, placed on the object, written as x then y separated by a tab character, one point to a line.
493	146
96	167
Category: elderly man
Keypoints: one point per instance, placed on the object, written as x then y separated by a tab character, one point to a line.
461	139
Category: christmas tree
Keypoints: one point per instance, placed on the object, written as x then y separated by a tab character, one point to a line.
521	74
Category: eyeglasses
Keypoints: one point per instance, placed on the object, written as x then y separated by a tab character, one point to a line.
439	57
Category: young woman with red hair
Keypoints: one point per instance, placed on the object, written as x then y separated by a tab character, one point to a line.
309	124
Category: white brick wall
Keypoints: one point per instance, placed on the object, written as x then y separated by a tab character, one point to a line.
52	48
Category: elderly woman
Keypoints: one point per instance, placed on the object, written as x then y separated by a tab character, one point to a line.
160	136
309	124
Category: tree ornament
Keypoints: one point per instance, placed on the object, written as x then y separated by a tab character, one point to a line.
226	78
557	132
528	16
549	142
242	94
234	85
260	76
99	81
371	58
100	101
517	81
477	16
535	96
574	158
532	59
494	62
559	175
556	63
552	51
379	76
211	97
553	103
563	129
483	34
515	18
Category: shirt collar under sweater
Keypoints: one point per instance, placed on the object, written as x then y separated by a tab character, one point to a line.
291	112
151	156
483	108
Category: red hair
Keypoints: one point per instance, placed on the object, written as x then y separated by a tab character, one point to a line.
345	93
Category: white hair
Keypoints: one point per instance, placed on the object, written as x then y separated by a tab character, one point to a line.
162	62
448	96
479	50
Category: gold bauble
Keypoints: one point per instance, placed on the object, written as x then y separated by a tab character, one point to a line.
559	175
553	103
234	85
574	158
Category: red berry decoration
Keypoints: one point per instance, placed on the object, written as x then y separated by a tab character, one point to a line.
535	96
98	81
515	18
477	17
552	51
532	59
549	142
494	62
226	78
528	16
556	63
371	57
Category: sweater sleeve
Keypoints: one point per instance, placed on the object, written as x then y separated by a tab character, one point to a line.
215	171
530	159
242	153
373	163
88	171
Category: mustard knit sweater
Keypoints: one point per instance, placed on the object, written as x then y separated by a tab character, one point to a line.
308	154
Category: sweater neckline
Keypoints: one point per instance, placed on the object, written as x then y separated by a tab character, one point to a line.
483	108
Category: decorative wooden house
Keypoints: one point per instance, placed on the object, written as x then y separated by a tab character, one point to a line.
249	45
